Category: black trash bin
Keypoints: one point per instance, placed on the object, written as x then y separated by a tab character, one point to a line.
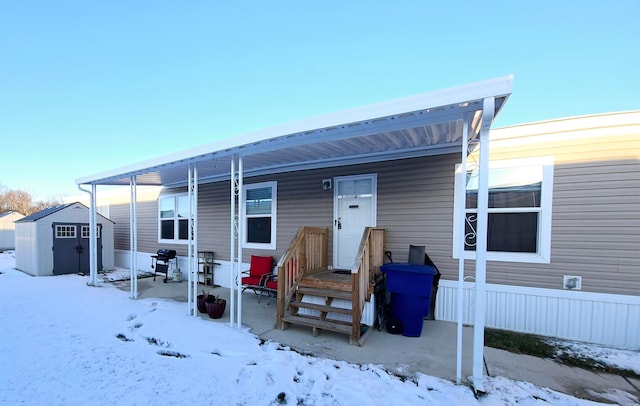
410	286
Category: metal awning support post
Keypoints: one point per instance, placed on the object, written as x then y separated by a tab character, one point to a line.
461	245
93	264
240	239
133	236
232	238
488	109
236	242
192	251
93	239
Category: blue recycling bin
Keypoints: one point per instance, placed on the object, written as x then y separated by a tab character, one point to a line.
410	287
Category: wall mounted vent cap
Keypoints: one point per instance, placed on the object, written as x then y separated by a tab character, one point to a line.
572	282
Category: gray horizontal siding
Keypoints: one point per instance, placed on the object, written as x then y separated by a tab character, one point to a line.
595	219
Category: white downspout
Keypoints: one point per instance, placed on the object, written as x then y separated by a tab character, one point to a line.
488	109
133	236
93	242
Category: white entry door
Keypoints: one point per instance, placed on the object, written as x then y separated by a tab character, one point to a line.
354	208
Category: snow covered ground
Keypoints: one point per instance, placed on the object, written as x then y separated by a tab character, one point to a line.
64	343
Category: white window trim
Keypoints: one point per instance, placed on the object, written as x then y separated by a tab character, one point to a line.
274	211
61	231
176	233
543	256
85	231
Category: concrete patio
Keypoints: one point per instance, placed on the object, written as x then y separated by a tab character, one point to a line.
433	353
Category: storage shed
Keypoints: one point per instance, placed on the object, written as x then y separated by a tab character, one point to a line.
7	229
55	241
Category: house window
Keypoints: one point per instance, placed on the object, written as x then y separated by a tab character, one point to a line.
173	213
259	215
65	231
519	210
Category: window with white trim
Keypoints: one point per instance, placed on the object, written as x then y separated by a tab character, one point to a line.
173	218
86	229
65	231
519	210
259	208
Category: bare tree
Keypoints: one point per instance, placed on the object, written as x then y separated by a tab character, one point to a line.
21	202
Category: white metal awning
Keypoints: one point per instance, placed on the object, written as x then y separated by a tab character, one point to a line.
428	124
421	125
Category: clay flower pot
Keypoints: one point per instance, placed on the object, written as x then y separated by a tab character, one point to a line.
215	306
202	305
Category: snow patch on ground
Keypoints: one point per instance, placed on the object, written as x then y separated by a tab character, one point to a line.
121	274
81	345
606	356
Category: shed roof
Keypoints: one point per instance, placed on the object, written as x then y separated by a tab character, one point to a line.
51	210
426	124
7	213
44	213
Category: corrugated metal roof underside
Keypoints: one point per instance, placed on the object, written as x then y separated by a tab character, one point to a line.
428	131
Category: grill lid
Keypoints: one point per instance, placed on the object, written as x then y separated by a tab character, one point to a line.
164	254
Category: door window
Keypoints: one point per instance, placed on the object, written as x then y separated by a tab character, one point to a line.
65	231
86	229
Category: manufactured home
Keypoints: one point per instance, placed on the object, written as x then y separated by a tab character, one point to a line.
538	236
8	229
55	241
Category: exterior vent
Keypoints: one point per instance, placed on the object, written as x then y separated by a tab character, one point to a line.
572	282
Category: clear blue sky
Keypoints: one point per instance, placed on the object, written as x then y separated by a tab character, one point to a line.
88	86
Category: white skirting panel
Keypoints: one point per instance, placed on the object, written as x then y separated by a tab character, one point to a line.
582	316
221	273
122	259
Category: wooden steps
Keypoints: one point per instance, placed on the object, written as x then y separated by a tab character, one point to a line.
320	308
320	320
336	294
316	324
304	271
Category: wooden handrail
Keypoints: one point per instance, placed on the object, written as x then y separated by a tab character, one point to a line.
364	272
307	254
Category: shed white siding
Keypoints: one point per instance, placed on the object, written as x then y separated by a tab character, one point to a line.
27	242
7	230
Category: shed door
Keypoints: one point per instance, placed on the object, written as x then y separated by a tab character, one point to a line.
84	264
71	248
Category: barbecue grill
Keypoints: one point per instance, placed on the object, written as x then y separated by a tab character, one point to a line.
161	262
